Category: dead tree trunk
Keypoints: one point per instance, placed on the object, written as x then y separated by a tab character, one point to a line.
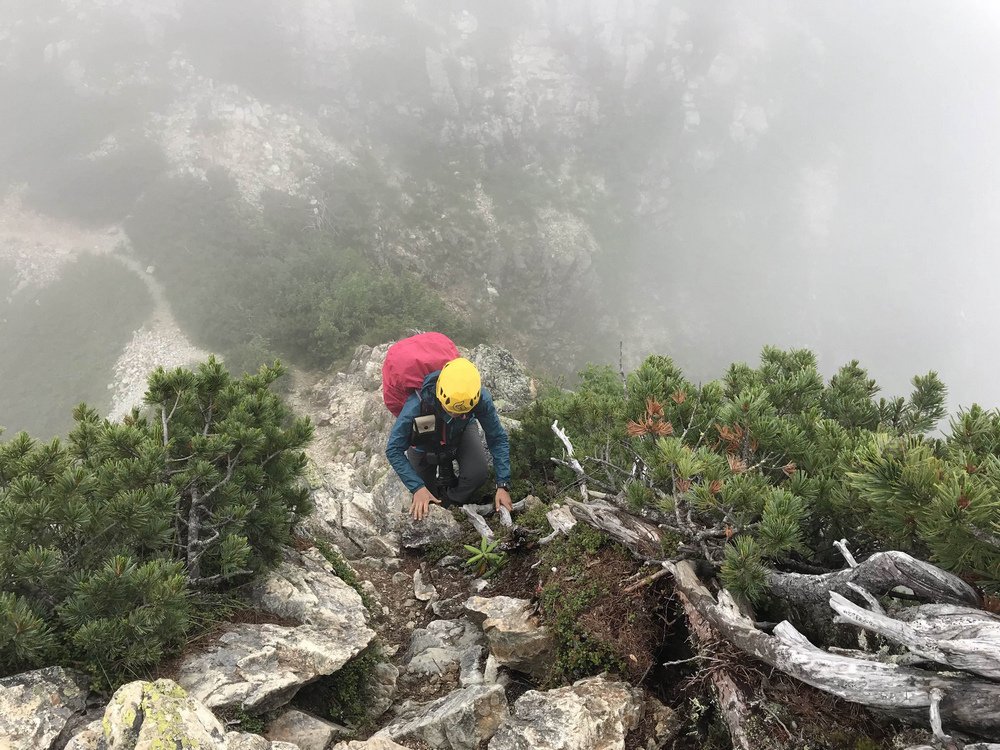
966	704
734	704
879	574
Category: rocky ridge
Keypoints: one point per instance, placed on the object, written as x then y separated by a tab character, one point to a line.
444	681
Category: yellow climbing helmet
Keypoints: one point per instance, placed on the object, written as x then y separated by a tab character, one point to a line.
459	386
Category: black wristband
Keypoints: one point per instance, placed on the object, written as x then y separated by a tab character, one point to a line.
503	486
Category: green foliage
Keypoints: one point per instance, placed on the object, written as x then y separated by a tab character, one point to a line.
743	570
106	539
101	190
769	462
282	280
938	498
246	721
535	517
343	571
484	559
566	595
591	416
346	696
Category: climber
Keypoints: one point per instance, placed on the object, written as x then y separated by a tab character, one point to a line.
440	424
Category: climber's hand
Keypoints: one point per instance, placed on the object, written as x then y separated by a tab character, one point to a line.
421	504
503	499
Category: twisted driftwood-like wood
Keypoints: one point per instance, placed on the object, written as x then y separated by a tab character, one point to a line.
966	704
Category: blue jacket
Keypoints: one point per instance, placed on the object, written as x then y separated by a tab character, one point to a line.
484	412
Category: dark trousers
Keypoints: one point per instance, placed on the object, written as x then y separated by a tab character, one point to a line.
473	468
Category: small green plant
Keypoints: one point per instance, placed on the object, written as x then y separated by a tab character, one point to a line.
249	722
484	558
344	571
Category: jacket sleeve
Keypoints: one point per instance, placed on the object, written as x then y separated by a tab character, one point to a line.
496	437
399	441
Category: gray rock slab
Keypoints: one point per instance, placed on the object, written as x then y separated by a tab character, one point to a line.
505	377
374	743
516	639
146	715
438	527
261	667
440	646
592	714
461	720
35	707
304	730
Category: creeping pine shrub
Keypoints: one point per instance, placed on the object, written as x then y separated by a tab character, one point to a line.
769	463
111	541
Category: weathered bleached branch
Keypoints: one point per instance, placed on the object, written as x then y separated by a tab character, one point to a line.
846	553
969	704
879	574
561	520
486	509
639	536
960	638
571	459
478	522
734	704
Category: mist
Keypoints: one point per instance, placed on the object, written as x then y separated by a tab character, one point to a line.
291	179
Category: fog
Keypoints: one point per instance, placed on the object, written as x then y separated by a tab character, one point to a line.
691	179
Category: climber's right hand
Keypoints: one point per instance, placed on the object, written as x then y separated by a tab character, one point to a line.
421	504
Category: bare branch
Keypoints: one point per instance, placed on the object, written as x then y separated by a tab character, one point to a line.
572	462
846	553
478	522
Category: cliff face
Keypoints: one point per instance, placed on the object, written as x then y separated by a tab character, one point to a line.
575	173
519	156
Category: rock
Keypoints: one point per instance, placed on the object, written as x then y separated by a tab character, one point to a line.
261	667
375	743
400	579
460	721
146	715
666	723
438	527
305	588
383	689
514	635
36	707
469	670
505	377
592	714
531	503
440	646
425	592
246	741
304	730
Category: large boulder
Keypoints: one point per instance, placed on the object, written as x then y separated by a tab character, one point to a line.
305	731
461	720
374	743
437	527
261	667
505	378
147	715
440	647
515	637
592	714
36	707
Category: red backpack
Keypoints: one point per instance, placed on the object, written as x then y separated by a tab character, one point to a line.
409	361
